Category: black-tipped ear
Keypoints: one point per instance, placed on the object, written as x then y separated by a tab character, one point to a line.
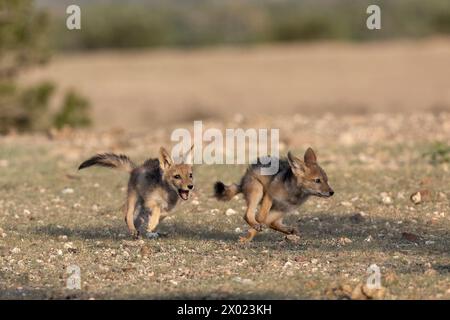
295	163
310	156
165	160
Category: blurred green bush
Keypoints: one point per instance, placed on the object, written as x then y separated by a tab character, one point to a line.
438	152
152	23
73	111
24	43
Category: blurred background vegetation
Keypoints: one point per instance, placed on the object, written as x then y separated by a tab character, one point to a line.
193	23
24	42
31	30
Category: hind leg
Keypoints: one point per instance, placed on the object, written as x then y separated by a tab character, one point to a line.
266	205
140	216
253	194
263	212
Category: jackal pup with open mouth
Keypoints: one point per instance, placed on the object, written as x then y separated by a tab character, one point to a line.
279	193
154	187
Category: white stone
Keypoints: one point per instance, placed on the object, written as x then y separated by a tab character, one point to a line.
67	190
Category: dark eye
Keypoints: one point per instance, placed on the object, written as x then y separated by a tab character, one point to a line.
177	176
317	180
190	175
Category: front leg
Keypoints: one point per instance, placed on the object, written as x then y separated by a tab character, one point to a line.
278	225
264	210
275	221
154	215
129	212
156	234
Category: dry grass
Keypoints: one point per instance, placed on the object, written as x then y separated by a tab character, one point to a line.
365	153
44	230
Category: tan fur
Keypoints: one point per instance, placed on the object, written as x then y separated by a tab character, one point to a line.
154	188
279	193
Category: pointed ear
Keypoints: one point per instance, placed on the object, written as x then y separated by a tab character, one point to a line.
310	156
187	158
296	164
165	160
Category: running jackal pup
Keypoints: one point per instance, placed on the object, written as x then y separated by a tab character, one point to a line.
154	188
279	193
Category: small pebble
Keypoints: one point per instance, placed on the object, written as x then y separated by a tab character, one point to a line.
385	198
67	190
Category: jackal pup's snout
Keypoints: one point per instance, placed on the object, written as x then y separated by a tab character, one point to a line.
310	176
178	176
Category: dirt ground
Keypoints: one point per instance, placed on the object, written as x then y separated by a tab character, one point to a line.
52	216
373	112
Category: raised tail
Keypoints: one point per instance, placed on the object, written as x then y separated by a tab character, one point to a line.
224	193
109	160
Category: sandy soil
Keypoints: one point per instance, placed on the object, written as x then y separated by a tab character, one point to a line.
52	217
373	112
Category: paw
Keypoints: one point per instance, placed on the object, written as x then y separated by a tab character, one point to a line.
162	234
258	227
152	235
134	234
294	231
244	240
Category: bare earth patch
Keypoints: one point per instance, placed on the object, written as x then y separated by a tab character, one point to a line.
52	216
143	88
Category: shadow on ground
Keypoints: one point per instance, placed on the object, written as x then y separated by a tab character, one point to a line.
323	235
30	293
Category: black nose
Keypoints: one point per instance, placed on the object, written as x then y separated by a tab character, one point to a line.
190	186
331	193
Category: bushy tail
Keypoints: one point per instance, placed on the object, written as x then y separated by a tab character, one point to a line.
225	193
109	160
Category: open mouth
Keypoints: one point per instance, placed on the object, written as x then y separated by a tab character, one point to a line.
184	194
325	194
